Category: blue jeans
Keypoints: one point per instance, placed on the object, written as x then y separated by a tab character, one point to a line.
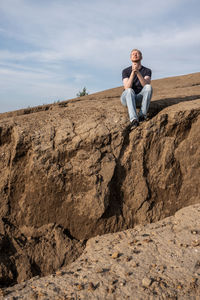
130	99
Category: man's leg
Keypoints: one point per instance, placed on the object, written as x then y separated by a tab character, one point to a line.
146	94
128	99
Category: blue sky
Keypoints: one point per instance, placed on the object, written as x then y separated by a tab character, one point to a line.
51	49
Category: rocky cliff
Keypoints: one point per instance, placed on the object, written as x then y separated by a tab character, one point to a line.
72	170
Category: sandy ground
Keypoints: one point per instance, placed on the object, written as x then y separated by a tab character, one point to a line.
156	261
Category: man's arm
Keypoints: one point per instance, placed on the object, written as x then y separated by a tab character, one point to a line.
143	80
128	82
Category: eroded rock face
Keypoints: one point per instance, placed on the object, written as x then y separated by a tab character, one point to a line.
157	172
27	252
75	165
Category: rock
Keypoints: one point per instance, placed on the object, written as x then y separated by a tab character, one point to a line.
80	287
146	282
115	255
2	293
91	287
196	243
134	264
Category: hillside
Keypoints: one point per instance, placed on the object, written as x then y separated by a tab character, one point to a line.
71	171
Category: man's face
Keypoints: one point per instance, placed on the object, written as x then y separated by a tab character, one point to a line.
135	56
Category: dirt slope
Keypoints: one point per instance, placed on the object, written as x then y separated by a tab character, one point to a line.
72	170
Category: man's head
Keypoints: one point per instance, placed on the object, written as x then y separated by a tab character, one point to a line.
136	55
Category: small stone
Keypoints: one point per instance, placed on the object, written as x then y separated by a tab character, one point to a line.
135	251
91	287
34	296
158	279
33	287
70	272
133	242
58	273
114	281
154	284
193	283
128	273
163	285
196	243
41	294
194	279
134	264
161	268
115	255
128	258
184	245
194	231
123	283
179	287
2	292
111	290
99	270
148	240
80	287
146	282
76	283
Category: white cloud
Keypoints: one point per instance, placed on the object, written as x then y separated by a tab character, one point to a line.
69	21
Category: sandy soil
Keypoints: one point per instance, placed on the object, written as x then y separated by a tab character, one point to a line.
156	261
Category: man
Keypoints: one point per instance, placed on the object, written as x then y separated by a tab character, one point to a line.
137	88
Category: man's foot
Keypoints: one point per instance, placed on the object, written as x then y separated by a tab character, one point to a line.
142	118
133	124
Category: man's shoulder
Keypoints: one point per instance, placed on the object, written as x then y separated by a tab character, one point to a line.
145	69
127	72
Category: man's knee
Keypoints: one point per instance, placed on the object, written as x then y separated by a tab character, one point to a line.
130	91
148	87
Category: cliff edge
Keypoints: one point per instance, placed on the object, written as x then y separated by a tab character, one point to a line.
71	171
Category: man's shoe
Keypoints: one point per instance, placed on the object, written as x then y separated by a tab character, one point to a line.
142	118
134	124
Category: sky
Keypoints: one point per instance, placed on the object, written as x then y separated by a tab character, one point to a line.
51	49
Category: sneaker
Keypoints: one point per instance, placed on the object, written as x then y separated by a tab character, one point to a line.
133	124
142	118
